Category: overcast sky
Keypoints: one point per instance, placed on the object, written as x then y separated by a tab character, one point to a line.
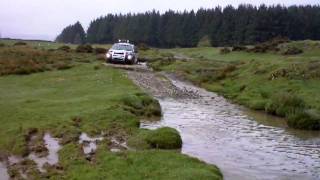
44	19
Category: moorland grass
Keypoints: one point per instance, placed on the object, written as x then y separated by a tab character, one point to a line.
92	100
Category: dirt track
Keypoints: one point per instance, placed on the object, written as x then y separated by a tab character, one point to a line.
153	82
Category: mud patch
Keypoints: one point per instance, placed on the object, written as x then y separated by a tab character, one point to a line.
89	145
52	157
117	145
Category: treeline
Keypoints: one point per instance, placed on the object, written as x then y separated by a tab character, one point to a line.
73	34
246	24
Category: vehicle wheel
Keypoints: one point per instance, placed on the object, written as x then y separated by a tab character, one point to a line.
109	61
129	62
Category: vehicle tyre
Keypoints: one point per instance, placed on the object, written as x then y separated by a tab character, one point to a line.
109	61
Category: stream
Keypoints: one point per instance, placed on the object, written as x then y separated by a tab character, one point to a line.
244	144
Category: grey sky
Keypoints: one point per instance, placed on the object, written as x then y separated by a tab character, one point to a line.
44	19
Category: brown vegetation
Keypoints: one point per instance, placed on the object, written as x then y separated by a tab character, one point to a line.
225	50
27	60
64	48
292	51
269	46
100	50
84	49
20	43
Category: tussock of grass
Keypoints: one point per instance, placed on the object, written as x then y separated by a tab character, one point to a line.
162	138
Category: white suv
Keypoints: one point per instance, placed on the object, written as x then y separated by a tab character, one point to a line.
122	53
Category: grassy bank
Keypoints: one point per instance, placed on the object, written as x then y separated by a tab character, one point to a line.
90	98
283	85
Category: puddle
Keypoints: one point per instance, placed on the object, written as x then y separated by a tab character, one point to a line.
244	144
89	144
3	172
117	146
52	158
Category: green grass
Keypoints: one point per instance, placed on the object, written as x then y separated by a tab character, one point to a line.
92	100
254	79
150	164
50	99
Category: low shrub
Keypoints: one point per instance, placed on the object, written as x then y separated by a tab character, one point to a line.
225	50
20	43
293	51
27	60
239	48
100	50
2	45
143	47
64	48
84	48
271	45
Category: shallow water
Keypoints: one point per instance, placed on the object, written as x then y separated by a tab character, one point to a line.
52	158
3	172
89	144
244	144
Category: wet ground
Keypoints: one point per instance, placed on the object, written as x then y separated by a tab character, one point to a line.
244	144
3	171
52	145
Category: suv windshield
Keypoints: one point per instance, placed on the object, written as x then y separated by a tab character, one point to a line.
122	47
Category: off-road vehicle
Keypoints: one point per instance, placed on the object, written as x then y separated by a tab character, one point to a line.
122	52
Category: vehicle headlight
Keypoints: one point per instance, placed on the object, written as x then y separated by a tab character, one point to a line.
108	55
130	57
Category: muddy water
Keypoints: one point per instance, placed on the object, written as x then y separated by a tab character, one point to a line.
3	172
244	144
89	145
53	147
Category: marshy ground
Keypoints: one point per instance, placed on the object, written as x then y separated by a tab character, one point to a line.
78	122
